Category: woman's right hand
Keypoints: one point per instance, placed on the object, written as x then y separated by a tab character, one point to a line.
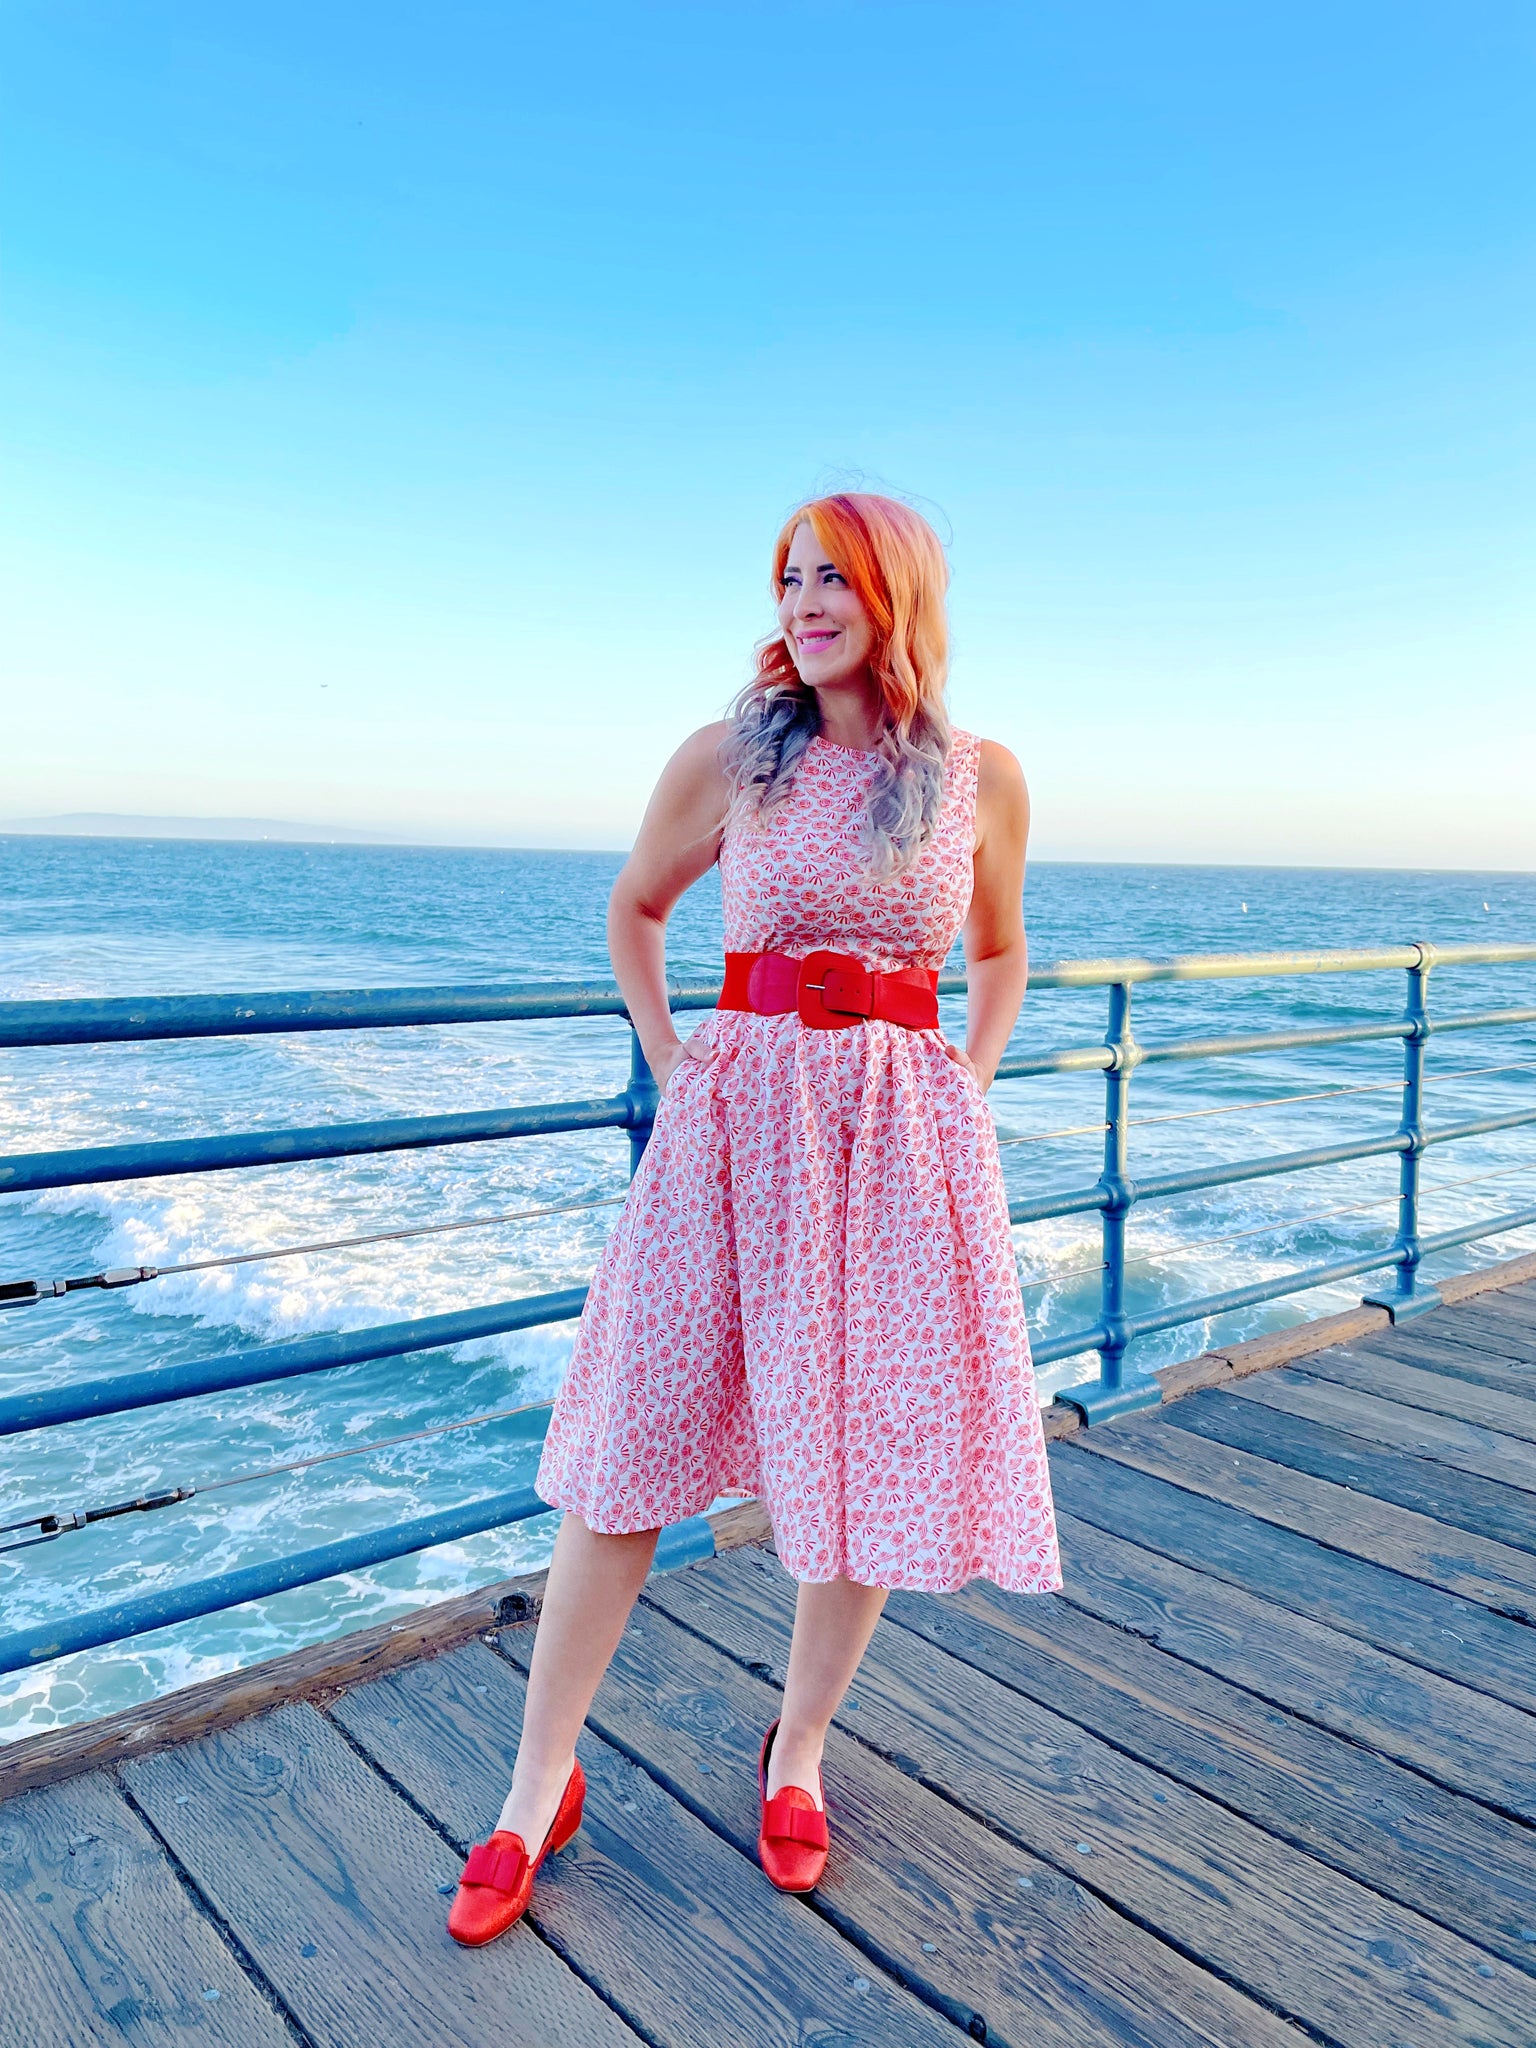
669	1058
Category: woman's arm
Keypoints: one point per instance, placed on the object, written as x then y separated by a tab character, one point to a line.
996	951
678	840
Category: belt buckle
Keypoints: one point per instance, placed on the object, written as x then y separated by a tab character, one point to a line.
833	990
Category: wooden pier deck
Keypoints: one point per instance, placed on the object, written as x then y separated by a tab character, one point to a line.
1265	1774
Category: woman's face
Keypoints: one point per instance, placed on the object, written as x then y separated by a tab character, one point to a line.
827	628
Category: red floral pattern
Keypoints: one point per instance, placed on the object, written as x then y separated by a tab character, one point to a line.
811	1293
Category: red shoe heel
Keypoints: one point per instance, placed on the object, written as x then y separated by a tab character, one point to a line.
498	1874
792	1837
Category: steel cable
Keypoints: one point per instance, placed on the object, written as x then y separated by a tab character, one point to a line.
82	1518
1197	1244
131	1276
1266	1102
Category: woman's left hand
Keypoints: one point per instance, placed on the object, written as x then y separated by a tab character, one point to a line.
962	1058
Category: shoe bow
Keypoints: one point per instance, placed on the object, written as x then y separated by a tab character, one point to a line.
786	1822
501	1869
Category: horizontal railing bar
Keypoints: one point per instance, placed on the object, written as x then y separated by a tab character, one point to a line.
1473	1233
1048	1349
26	1172
1161	1185
136	1616
1197	1310
1070	1059
1066	1059
1239	1044
1040	1208
30	1172
1480	1127
1479	1020
125	1019
1243	966
46	1407
1320	1276
1220	1175
1261	1290
1184	1116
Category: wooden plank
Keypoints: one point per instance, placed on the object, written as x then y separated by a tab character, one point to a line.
100	1942
313	1673
1507	1328
1412	1387
1454	1637
1509	1310
1296	1340
679	1932
1481	1506
1326	1952
1508	1275
932	1896
330	1882
1461	1357
1464	1445
1490	1574
1472	1745
1518	1302
1395	1831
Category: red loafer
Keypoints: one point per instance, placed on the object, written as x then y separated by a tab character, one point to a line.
792	1838
498	1875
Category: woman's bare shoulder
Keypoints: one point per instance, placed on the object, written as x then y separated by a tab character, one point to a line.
998	771
696	762
704	745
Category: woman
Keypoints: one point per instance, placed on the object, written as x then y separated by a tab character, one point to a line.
811	1293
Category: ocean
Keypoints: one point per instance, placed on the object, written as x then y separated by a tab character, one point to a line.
119	917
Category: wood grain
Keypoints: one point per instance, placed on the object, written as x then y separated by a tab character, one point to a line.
1506	1315
1456	1638
1412	1386
1463	1445
1502	1514
1364	1971
1467	1742
1395	1831
316	1673
331	1883
1459	1355
1491	1574
681	1933
924	1891
101	1944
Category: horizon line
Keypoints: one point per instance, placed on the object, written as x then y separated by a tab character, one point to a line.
286	832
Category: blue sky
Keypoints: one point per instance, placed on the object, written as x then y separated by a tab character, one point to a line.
399	402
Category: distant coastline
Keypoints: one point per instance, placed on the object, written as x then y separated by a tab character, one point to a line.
291	832
126	825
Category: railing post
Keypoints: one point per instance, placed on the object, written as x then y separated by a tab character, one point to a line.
1409	1297
1114	1394
643	1096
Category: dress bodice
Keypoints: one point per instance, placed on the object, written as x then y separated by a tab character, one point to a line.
799	881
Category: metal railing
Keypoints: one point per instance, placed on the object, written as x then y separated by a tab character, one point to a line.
1114	1195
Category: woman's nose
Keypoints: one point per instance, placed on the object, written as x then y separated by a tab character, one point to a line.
807	602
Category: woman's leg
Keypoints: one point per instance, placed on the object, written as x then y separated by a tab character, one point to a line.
594	1581
833	1625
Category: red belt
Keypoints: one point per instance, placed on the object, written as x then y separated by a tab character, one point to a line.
830	990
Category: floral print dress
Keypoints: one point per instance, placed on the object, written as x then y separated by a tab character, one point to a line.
811	1293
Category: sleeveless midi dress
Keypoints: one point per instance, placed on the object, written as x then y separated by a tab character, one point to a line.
810	1294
